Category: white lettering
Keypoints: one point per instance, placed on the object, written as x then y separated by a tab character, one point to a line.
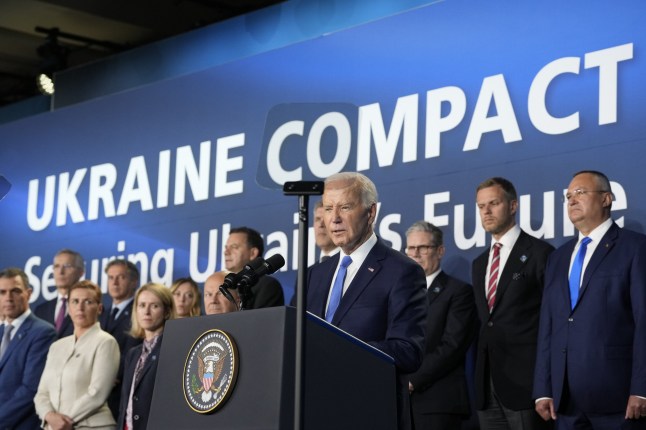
225	165
404	124
494	89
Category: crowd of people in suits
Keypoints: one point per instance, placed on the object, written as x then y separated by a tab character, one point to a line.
85	360
558	336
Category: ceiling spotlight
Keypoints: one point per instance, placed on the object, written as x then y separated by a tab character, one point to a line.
45	84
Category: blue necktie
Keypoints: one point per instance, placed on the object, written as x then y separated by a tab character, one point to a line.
575	273
337	289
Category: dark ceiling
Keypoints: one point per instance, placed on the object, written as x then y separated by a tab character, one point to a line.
88	30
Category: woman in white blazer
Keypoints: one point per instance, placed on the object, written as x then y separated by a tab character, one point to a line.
80	369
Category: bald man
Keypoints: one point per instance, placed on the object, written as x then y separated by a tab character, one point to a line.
214	300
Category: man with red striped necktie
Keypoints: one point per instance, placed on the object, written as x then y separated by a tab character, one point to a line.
508	285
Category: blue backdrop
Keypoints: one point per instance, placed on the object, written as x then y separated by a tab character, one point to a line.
427	103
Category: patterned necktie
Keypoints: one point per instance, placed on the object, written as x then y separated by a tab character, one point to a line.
61	315
337	289
575	273
493	275
6	339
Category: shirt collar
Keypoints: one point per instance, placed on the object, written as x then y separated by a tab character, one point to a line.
149	345
360	254
509	238
121	306
18	321
430	278
599	231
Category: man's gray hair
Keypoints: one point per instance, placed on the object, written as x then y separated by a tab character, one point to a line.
425	226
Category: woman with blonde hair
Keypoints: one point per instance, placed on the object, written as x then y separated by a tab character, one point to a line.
153	306
80	369
186	295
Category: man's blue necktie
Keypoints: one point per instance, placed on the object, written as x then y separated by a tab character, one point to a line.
337	288
575	273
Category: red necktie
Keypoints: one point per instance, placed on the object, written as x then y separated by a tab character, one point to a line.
61	315
493	275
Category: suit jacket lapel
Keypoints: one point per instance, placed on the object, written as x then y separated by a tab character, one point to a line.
17	337
437	287
563	269
479	281
319	289
104	318
3	359
603	248
152	358
364	276
520	254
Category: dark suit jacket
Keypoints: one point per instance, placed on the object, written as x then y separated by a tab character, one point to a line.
143	394
440	383
601	344
266	293
507	340
46	311
383	306
119	330
20	370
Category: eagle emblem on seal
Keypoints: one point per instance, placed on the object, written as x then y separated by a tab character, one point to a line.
210	362
211	371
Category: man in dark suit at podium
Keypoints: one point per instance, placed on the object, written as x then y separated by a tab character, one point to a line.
439	392
368	289
68	268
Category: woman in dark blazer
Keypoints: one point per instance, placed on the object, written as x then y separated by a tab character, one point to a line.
153	306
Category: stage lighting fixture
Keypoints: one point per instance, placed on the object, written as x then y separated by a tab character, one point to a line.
45	84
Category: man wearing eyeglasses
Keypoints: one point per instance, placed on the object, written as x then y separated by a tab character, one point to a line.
68	268
508	285
439	393
590	369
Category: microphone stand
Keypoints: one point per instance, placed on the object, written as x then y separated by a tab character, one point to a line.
303	190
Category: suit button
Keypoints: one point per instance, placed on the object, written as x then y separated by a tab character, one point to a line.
136	417
570	319
490	324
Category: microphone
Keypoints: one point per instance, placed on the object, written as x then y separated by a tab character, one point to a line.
249	275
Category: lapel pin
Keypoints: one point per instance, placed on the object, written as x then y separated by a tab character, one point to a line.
371	269
436	289
523	258
516	276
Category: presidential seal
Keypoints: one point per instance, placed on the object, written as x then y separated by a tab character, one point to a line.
210	371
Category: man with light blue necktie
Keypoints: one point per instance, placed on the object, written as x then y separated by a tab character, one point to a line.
368	289
591	366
